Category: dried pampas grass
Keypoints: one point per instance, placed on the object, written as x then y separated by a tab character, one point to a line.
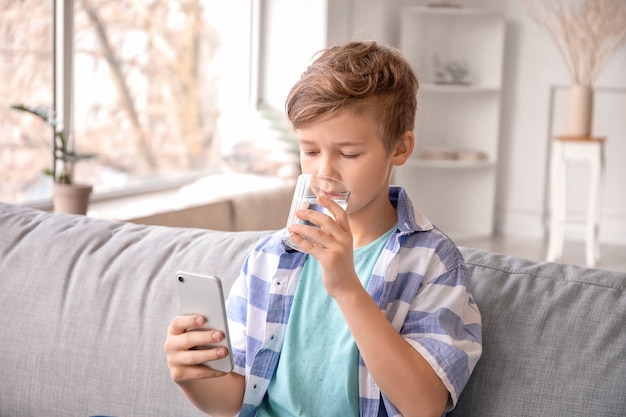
586	32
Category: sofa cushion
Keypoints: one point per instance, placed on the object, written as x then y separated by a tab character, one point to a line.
84	310
554	339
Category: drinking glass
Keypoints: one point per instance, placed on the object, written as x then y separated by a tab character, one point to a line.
308	188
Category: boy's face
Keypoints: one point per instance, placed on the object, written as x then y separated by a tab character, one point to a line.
347	147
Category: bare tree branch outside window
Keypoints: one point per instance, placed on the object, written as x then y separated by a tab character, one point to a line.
145	90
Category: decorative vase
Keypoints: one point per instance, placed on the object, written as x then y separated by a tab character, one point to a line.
579	110
71	198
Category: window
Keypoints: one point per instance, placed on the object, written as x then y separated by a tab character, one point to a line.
157	86
25	76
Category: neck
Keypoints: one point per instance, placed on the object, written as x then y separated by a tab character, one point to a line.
369	225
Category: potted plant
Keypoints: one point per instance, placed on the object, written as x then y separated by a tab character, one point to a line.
67	196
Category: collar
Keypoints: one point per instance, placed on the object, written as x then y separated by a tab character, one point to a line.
410	219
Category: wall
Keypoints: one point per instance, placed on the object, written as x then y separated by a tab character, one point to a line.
533	67
292	32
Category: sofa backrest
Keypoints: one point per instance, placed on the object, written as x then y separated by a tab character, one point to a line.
554	340
84	309
85	303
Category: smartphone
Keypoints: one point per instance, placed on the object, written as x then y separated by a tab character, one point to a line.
203	295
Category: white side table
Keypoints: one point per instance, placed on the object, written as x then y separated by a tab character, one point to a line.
565	149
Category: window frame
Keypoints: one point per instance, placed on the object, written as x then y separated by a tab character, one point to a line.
63	82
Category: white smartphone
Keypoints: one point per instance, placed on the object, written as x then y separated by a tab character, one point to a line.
203	295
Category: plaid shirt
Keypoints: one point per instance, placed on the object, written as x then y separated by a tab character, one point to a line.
420	282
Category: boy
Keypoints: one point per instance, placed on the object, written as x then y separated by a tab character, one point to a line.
374	317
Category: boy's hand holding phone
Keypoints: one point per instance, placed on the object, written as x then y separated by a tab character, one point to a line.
185	359
198	345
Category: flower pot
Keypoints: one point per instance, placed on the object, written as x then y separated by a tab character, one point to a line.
579	110
71	198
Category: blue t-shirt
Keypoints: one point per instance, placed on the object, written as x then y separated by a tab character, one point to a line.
317	373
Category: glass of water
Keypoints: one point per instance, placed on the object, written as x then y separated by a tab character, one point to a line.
308	188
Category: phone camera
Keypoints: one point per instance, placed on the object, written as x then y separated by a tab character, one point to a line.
181	279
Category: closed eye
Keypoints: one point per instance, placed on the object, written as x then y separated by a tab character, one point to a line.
350	156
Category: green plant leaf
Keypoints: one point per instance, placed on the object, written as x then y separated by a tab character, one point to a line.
60	153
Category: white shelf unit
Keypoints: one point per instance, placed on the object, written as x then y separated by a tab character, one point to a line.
457	195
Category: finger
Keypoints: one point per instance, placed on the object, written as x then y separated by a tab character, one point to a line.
313	220
305	233
180	324
303	244
177	343
188	373
339	215
183	355
192	339
200	356
191	365
325	229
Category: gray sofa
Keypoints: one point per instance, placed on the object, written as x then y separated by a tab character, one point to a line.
85	303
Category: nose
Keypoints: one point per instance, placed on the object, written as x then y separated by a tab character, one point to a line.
327	168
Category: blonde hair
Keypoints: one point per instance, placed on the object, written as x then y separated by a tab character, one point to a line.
365	78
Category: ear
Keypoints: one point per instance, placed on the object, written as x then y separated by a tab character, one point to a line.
403	149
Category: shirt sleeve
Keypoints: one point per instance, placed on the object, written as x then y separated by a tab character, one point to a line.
444	325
